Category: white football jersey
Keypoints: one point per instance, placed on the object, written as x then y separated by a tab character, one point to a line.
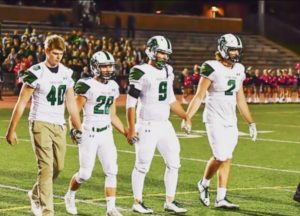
100	97
156	91
221	96
48	99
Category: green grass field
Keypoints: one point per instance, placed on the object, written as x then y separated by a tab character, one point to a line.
263	178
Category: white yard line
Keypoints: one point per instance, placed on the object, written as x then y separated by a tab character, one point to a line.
92	201
205	161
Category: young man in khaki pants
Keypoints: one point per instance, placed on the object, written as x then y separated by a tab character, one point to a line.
50	85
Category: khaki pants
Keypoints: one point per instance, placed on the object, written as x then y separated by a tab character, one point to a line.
49	145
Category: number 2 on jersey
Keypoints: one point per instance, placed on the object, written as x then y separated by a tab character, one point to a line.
103	101
52	97
230	83
162	90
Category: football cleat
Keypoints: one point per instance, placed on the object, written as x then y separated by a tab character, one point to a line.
203	194
113	212
70	204
297	194
174	207
141	208
225	203
35	205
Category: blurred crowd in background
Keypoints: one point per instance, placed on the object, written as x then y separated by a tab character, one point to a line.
18	51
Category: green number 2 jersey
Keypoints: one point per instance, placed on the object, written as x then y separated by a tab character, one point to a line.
221	96
49	92
100	97
156	91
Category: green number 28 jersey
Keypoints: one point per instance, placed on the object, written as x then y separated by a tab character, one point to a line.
100	97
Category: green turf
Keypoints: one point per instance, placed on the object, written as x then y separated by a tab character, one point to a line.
263	178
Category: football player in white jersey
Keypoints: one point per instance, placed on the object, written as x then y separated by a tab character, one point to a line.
151	88
222	83
97	97
50	85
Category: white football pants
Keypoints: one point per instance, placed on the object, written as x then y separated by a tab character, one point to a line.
222	140
162	135
100	144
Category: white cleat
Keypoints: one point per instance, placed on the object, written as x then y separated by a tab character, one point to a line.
70	204
174	207
141	208
35	205
203	194
225	203
113	212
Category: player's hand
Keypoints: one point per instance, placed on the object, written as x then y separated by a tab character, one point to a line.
253	131
186	126
132	137
76	135
126	132
11	138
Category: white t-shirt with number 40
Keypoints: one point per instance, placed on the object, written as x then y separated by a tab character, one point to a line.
48	99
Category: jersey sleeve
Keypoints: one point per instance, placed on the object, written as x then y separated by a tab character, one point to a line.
207	71
136	77
30	76
82	88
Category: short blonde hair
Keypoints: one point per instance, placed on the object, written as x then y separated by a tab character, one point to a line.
55	42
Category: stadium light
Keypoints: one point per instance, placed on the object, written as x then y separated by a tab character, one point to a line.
214	11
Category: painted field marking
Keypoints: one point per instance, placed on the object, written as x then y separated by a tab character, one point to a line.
205	161
92	201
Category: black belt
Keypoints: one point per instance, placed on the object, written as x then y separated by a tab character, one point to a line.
94	129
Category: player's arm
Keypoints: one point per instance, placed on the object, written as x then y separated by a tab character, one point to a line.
175	106
245	112
130	116
135	80
195	103
72	108
178	110
243	106
115	120
25	94
80	102
207	74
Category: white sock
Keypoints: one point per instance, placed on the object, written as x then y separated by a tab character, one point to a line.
221	193
170	179
71	192
137	183
110	202
205	182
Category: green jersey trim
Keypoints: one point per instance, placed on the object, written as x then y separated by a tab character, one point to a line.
135	74
206	70
27	77
81	88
